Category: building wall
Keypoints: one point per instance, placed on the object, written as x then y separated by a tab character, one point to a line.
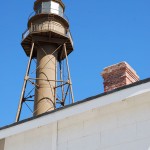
123	125
2	143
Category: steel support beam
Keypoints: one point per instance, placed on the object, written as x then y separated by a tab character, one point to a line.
69	76
24	85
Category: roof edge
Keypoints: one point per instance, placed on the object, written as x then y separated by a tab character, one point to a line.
79	102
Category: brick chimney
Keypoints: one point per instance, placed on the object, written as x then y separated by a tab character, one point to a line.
118	75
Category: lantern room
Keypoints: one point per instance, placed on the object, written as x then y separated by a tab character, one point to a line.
49	7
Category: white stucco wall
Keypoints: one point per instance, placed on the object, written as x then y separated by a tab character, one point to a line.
120	125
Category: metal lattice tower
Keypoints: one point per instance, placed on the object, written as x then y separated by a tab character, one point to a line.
48	42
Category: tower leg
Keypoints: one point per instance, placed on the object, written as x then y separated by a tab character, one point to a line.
24	85
61	78
69	76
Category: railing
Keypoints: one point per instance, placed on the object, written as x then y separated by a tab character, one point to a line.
25	34
51	11
69	35
47	27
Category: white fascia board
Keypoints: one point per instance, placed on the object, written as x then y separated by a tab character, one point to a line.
76	109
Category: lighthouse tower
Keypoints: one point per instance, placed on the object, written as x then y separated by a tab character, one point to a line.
47	40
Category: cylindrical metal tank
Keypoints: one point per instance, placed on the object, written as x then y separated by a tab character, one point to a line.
46	77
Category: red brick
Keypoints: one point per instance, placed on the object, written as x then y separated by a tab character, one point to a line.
118	75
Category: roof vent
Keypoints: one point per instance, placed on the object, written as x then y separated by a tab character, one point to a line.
118	75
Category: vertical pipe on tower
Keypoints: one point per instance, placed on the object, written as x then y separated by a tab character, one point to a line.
45	92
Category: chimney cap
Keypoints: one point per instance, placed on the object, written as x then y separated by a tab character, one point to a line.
115	66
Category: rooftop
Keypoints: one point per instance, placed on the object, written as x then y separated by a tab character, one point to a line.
100	100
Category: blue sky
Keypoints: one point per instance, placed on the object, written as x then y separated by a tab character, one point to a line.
105	32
